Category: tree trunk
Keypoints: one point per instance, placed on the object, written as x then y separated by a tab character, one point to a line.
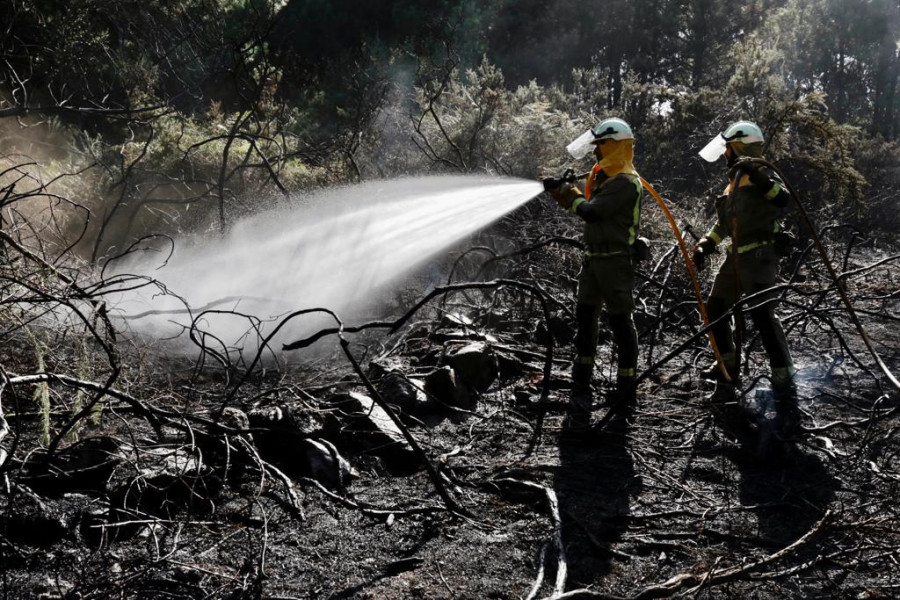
885	84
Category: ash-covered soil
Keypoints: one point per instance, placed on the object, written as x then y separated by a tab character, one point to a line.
158	495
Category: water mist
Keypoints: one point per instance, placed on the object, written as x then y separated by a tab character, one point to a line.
340	249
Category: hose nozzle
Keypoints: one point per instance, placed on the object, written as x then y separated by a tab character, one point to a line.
551	183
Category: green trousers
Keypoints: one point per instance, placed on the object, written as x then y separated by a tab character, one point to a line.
749	273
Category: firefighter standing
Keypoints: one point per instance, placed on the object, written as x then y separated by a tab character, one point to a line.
749	212
610	207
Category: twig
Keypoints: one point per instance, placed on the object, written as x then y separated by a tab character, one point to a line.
711	577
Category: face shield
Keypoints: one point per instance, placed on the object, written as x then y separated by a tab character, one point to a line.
714	149
583	145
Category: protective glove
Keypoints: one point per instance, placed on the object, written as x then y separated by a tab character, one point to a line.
565	194
704	248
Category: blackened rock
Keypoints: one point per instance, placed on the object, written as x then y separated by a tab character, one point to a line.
454	320
475	365
280	432
34	521
523	397
169	480
370	426
406	393
459	335
509	366
285	420
234	418
377	370
85	466
325	464
497	319
444	387
52	588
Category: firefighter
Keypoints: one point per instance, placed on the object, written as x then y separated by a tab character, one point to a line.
610	207
749	212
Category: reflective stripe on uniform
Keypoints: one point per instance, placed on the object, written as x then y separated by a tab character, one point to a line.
751	246
714	236
578	202
604	254
632	231
626	372
776	189
584	360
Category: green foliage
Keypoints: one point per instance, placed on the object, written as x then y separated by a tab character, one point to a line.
214	103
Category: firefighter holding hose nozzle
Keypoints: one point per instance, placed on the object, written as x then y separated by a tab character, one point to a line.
749	212
610	207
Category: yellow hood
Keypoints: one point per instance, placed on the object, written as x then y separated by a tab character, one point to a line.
754	150
617	158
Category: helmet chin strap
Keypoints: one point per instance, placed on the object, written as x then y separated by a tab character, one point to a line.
730	157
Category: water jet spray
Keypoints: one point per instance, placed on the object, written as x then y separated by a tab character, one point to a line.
344	249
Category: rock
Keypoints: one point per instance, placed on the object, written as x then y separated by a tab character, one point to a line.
92	526
325	464
523	397
459	335
85	466
53	588
170	464
559	328
371	427
509	366
284	420
497	319
169	480
443	386
215	448
455	320
235	418
418	332
34	521
406	393
475	364
280	433
377	369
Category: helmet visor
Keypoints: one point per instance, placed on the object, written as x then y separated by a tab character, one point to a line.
714	149
583	145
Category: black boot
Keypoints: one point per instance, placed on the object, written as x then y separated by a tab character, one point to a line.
787	412
625	394
582	397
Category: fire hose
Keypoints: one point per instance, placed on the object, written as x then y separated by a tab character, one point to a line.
692	272
569	176
833	273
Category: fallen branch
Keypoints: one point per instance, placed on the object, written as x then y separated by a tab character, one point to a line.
556	538
711	577
395	325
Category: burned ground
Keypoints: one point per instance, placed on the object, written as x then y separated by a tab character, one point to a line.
187	481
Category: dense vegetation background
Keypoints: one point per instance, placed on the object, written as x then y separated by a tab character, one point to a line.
217	103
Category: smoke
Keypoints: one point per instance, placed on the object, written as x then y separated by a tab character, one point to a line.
40	171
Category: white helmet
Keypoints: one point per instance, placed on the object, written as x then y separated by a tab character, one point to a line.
608	129
746	132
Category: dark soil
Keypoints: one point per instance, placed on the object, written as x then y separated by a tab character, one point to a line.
677	496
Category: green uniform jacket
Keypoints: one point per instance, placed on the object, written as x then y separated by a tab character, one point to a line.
613	214
749	216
